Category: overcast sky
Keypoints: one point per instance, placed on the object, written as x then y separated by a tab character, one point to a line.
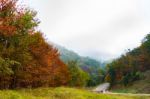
102	29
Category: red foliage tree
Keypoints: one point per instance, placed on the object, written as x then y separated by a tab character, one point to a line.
30	60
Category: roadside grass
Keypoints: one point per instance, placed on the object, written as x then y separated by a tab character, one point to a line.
124	90
61	93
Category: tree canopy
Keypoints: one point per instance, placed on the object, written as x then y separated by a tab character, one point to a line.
26	59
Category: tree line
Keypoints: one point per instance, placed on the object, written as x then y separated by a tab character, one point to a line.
129	67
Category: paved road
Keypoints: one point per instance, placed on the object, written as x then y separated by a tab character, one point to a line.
102	88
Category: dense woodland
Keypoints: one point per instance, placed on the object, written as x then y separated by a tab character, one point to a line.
26	59
130	66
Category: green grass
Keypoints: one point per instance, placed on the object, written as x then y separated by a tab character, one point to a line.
125	90
61	93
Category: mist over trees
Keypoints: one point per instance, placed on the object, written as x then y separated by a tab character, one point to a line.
92	67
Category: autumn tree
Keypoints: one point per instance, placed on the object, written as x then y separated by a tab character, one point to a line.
26	59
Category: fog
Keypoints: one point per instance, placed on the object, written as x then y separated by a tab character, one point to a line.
101	29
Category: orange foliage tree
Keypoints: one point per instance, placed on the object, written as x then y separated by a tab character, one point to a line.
26	59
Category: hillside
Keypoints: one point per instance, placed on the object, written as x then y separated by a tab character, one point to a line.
140	86
130	72
63	93
69	55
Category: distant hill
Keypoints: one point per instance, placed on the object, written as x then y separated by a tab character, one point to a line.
68	55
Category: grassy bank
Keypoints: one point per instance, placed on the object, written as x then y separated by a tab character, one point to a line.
61	93
140	86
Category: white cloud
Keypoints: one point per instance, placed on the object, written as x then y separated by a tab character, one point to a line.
104	27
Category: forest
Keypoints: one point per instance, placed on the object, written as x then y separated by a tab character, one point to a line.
130	66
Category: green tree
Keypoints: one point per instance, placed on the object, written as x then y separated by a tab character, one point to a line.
77	76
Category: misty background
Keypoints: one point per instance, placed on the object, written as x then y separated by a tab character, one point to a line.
101	29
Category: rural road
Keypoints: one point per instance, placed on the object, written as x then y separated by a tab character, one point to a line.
102	88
